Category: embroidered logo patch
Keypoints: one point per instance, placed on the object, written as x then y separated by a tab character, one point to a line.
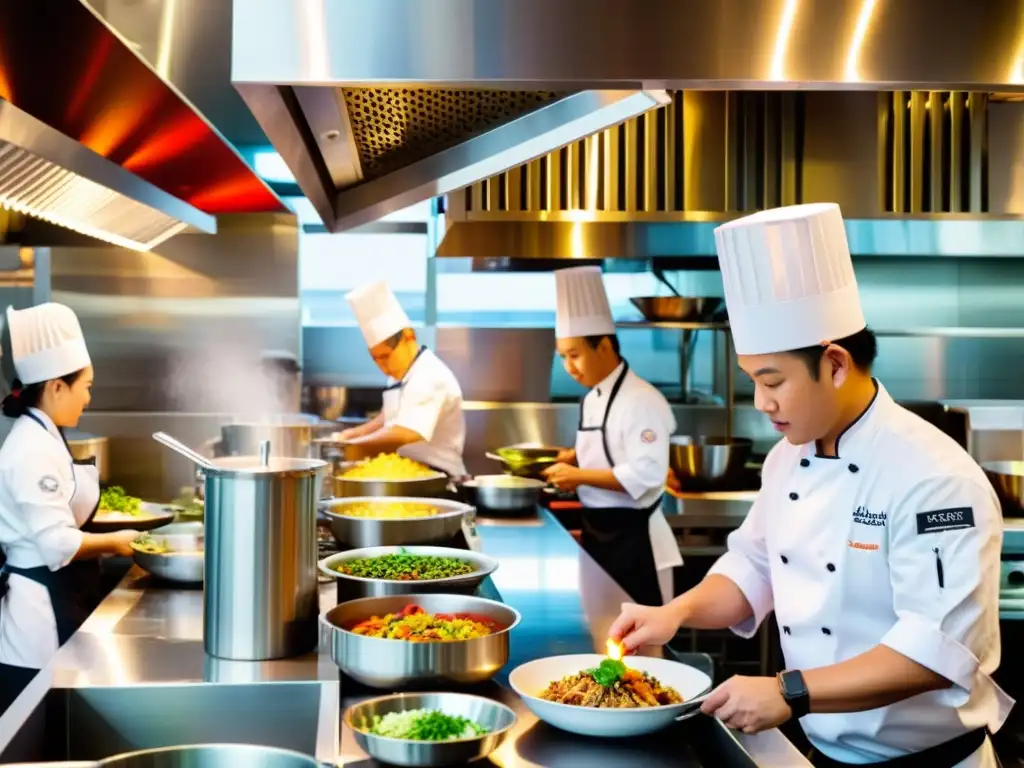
862	545
48	484
648	436
862	516
953	519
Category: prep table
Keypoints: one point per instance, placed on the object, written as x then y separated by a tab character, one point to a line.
136	675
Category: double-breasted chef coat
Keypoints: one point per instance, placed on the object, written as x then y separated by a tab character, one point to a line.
895	541
625	425
428	400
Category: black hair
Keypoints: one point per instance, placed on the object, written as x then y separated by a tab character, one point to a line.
23	397
595	341
862	346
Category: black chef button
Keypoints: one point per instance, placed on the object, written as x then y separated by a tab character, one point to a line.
805	462
826	630
854	468
793	496
831	568
784	559
786	630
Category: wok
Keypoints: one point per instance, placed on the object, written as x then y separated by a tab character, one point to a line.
527	460
679	309
1008	479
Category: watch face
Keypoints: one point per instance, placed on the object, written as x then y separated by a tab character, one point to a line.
793	683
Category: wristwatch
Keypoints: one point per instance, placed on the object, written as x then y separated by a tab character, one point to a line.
794	691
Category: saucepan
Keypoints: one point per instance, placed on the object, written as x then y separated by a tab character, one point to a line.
708	461
504	493
1008	479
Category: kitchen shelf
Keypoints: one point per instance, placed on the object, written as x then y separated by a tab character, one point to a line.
948	332
672	325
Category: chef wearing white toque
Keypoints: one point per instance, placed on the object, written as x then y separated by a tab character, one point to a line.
875	538
620	461
45	496
422	415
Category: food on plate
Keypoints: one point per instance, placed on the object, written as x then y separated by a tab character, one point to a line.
151	546
402	566
388	466
415	625
611	685
114	502
388	510
425	725
188	505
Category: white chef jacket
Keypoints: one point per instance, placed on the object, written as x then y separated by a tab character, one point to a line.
640	424
37	527
429	402
848	551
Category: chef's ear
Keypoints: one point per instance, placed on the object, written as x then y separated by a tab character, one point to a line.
838	364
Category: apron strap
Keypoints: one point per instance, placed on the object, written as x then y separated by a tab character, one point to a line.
603	429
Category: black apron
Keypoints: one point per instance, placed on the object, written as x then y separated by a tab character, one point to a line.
619	538
945	755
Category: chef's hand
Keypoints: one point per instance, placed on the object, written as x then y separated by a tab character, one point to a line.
120	542
566	456
748	704
564	477
640	625
672	482
346	434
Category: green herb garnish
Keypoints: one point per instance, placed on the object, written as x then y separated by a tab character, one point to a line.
114	499
402	566
608	672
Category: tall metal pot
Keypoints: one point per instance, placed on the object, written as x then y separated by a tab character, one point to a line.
290	435
84	446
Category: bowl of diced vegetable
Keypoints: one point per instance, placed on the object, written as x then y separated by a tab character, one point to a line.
378	571
173	552
119	511
429	729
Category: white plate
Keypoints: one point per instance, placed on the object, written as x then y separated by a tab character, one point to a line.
532	678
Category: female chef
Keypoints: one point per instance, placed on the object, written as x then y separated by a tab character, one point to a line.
422	416
619	465
45	496
875	538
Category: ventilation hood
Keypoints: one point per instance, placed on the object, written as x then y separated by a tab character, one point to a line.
92	139
378	105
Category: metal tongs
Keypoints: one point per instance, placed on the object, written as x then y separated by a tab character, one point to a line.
692	706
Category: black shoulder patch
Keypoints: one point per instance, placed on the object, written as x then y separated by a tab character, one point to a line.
939	520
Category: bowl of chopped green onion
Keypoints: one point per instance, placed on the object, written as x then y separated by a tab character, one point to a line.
429	729
381	571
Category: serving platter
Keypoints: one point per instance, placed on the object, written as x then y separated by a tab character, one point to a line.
153	516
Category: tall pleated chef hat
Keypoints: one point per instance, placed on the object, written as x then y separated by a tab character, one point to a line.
378	312
788	279
46	342
581	304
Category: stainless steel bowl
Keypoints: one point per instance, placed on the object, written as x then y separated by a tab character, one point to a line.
679	309
708	459
397	664
390	532
184	563
435	484
1008	479
84	446
353	587
212	756
504	493
492	715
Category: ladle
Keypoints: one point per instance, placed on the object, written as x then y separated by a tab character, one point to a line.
179	447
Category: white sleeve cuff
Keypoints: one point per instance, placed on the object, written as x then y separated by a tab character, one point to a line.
922	641
630	481
758	591
59	545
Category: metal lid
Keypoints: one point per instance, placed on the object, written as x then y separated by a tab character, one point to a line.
250	465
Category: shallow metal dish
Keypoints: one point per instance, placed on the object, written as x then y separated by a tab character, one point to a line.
154	516
490	714
708	459
212	756
396	664
527	460
504	493
435	484
1008	479
353	587
679	309
184	563
388	532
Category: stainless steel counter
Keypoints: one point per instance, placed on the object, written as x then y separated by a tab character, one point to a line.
136	675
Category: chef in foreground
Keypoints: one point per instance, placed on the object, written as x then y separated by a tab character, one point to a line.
45	497
422	415
620	461
875	538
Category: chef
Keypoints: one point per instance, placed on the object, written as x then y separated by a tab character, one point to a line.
620	461
45	497
422	415
875	537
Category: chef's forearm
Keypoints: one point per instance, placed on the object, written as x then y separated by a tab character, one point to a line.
369	427
715	603
95	545
600	478
876	678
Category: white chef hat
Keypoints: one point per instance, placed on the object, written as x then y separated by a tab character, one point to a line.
46	342
788	279
581	305
378	312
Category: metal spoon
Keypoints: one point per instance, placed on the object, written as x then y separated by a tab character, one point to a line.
184	450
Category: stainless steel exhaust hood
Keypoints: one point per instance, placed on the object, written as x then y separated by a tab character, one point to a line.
92	139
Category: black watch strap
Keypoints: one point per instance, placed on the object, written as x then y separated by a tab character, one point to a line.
794	691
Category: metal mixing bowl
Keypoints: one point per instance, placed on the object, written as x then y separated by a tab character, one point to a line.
504	493
212	756
352	587
679	309
396	664
184	563
388	532
435	484
490	714
708	459
1008	479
